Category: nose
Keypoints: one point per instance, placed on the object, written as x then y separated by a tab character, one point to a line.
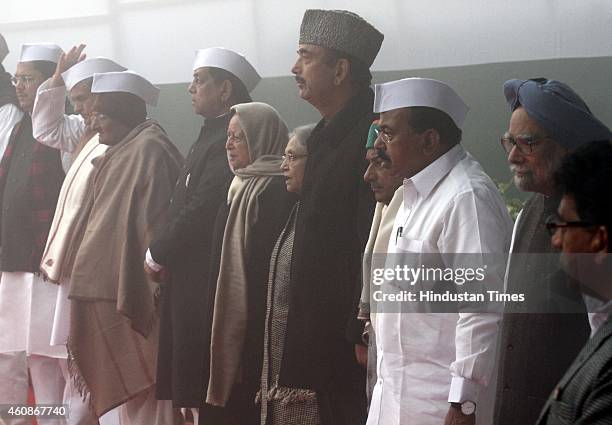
379	144
368	177
295	69
514	156
229	145
285	165
94	122
556	239
191	88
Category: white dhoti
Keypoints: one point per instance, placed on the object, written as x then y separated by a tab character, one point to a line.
27	310
61	319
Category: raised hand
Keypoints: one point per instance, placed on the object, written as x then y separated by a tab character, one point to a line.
67	60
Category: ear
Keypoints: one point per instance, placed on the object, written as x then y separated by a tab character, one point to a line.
343	68
431	142
599	244
226	91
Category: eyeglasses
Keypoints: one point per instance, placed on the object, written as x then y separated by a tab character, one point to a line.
553	223
525	143
388	138
385	137
97	117
234	139
292	157
26	80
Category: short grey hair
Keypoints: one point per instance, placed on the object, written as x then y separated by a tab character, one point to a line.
302	133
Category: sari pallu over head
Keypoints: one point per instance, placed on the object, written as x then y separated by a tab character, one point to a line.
266	136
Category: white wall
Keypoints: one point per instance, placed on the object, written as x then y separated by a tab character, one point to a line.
158	37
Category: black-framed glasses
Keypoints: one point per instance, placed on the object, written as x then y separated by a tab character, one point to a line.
525	143
292	157
553	223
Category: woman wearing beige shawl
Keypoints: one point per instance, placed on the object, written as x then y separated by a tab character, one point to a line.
258	207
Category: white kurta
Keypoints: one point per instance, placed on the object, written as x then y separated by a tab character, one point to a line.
426	360
9	116
27	306
51	127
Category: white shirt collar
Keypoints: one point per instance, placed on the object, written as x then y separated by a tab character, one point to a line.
426	179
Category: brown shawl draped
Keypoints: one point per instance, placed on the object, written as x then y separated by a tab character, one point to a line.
113	329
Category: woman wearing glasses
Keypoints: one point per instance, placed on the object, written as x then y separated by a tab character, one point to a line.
283	405
246	229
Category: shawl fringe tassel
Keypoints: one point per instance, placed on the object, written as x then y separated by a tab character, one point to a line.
286	395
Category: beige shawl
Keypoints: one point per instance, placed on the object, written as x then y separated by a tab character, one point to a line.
71	198
114	317
377	246
267	136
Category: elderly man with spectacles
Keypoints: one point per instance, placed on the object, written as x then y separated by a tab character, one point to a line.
548	120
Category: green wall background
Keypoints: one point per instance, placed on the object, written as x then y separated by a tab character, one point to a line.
479	85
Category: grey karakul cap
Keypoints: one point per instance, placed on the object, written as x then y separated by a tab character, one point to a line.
341	30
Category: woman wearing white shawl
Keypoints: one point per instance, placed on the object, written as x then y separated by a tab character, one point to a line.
258	209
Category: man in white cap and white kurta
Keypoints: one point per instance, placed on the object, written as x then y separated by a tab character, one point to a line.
73	75
450	206
114	320
10	114
182	248
30	179
70	134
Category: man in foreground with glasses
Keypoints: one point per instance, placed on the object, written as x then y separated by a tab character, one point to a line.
548	120
432	368
30	179
582	234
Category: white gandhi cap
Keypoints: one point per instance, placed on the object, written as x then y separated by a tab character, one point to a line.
235	63
87	68
4	50
411	92
40	52
127	82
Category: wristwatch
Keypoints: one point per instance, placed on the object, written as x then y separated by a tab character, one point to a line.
467	407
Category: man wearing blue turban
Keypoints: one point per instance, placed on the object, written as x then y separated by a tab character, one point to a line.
548	121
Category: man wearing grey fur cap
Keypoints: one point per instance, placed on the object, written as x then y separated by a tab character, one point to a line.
319	370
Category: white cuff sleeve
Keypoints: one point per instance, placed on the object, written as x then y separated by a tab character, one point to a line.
151	262
463	389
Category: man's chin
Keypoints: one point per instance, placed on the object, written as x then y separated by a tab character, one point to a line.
25	106
302	92
524	183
